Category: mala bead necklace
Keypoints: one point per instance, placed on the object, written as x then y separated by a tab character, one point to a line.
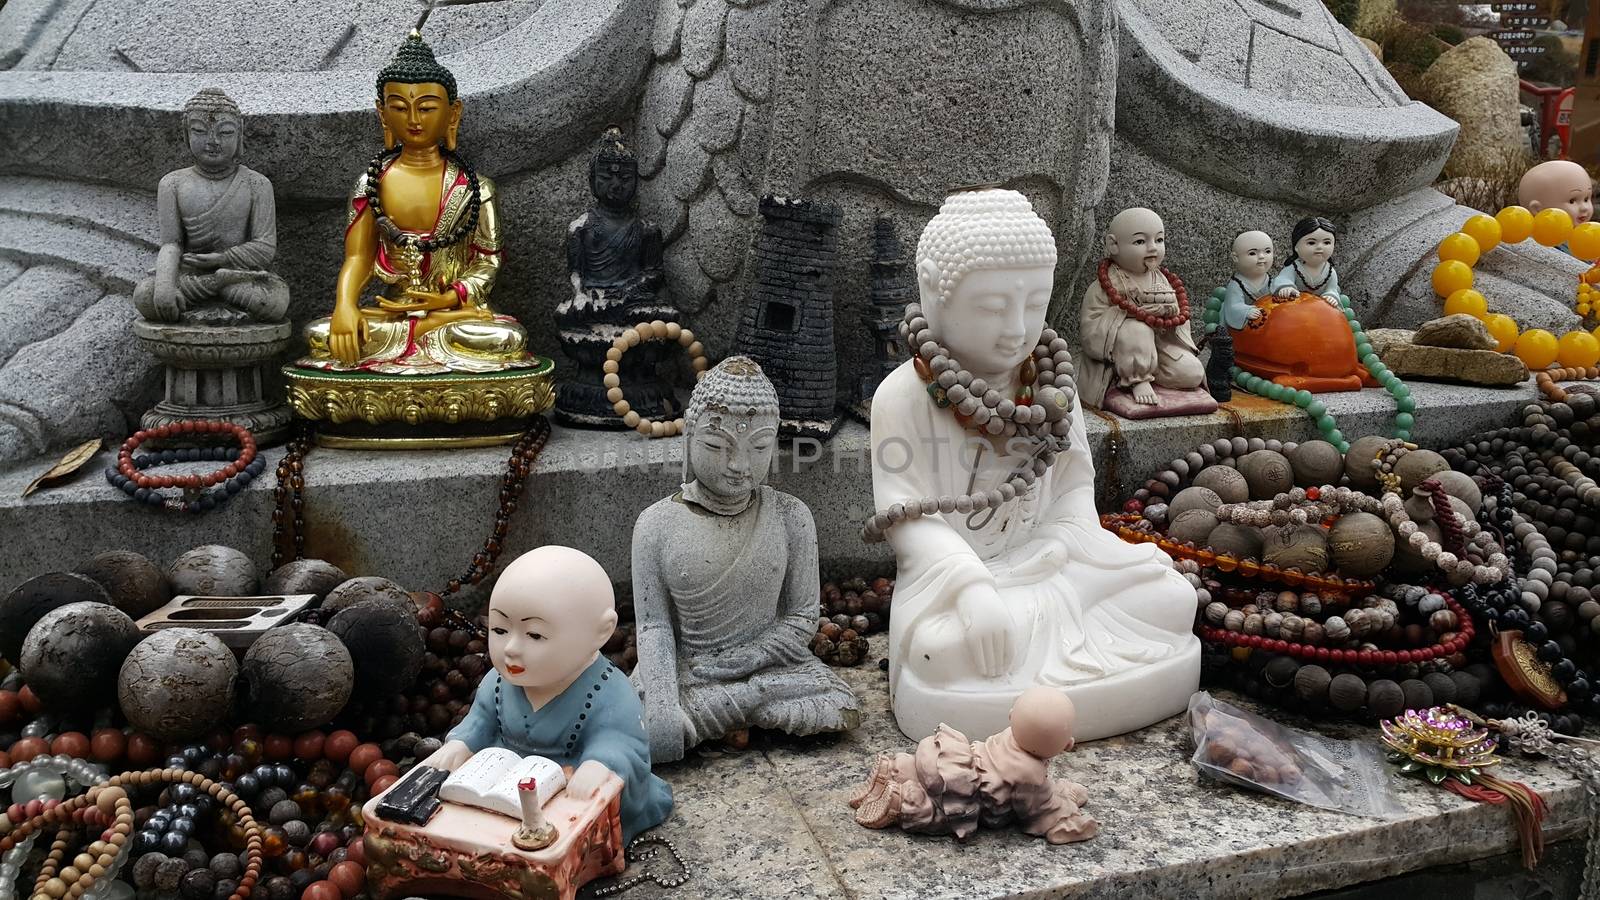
523	456
467	223
110	799
1040	409
644	332
1459	252
290	501
70	770
1133	309
288	511
201	493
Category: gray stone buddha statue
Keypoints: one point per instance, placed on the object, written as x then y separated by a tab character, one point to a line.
212	313
725	584
219	229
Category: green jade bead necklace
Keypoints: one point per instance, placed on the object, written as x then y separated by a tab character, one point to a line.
1405	407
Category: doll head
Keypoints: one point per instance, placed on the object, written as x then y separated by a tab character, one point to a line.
550	613
1042	720
1561	184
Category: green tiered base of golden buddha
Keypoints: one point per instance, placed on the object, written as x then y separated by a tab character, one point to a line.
365	410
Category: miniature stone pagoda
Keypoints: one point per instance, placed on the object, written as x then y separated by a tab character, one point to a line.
787	327
892	289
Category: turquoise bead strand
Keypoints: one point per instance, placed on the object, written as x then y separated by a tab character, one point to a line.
1405	406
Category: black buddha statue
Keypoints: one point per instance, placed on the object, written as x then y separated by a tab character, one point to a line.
614	257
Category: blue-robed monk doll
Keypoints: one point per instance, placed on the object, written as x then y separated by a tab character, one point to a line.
553	694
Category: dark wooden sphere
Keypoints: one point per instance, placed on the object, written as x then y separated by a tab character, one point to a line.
369	588
297	677
1442	685
1385	699
214	570
305	576
1225	481
177	684
71	657
1358	461
1361	543
1312	683
1347	692
1316	463
1241	541
1303	547
29	601
137	586
1267	472
1193	525
1418	466
385	646
1468	688
1281	671
1193	498
1461	486
1418	694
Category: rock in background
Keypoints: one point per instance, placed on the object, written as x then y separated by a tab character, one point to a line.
1475	83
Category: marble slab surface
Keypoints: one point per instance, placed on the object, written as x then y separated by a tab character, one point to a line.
772	821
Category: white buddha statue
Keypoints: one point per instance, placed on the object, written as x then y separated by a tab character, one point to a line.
982	474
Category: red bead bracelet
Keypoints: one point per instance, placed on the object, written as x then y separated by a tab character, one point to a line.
247	454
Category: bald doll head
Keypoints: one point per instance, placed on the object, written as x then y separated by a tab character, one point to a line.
1253	255
1136	240
550	613
1558	184
1042	720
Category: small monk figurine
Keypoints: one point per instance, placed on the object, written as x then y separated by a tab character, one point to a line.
1310	269
1292	330
1134	327
1252	257
725	584
950	785
1558	184
219	229
421	221
614	257
552	693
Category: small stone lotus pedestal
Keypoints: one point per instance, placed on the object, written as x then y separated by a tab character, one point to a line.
220	372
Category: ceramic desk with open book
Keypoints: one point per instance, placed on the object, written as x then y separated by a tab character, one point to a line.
465	850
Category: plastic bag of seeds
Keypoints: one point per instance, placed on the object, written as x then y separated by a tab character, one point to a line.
1243	749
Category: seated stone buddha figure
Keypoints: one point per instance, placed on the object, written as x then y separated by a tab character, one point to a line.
981	470
725	584
423	223
219	229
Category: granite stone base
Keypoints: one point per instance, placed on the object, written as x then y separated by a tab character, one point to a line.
772	822
417	516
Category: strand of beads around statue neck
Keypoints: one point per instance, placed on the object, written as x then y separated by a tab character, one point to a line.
1143	315
1404	406
465	225
1459	253
289	508
1041	410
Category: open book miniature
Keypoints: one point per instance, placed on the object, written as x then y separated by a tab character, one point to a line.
490	779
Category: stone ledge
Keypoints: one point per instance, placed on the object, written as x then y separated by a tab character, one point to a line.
418	516
772	822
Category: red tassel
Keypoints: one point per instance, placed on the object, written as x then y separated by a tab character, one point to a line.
1526	805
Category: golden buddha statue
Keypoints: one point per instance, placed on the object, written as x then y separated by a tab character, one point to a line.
425	224
428	364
